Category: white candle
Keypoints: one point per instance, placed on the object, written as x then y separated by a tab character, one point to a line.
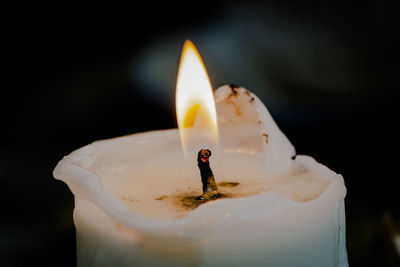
130	195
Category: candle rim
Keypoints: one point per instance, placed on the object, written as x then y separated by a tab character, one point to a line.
68	168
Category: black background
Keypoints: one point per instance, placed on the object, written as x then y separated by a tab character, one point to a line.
67	82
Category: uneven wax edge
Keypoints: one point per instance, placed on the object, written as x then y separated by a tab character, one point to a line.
83	158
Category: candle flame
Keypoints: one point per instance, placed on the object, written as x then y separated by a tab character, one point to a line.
195	106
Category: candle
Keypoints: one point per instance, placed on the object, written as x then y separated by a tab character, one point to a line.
137	197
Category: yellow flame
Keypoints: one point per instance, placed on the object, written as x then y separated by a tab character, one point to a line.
195	104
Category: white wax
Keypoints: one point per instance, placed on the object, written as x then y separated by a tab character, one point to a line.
154	185
291	216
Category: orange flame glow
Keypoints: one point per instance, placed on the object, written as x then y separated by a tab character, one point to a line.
195	106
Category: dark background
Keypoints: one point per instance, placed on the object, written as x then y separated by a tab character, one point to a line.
328	71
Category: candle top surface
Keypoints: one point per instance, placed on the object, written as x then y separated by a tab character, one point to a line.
149	174
163	185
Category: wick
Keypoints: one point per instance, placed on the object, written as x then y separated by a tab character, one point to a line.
210	190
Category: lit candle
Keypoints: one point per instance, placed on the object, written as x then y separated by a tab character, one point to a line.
136	197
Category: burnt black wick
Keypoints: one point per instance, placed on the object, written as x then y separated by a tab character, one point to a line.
210	190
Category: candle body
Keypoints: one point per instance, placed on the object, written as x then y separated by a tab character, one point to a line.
264	229
287	211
